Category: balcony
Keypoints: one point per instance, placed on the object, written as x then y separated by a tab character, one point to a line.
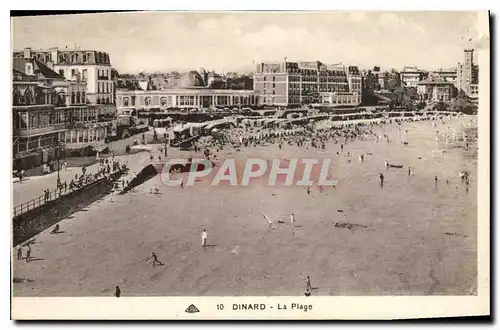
27	132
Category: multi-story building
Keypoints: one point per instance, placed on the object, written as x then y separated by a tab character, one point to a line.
411	76
448	75
189	93
294	83
435	88
468	75
44	107
91	66
38	127
382	79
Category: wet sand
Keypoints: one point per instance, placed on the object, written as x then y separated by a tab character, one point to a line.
413	239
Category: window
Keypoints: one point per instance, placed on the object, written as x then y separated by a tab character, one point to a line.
27	98
125	102
73	98
61	73
78	97
148	101
98	87
16	98
29	69
107	100
84	74
73	72
85	58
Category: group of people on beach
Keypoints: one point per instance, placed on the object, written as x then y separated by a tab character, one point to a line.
314	137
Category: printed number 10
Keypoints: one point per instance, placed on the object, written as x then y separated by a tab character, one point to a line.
220	307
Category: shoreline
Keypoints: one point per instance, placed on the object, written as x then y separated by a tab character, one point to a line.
391	232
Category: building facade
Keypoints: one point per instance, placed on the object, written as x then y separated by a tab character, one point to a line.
90	66
411	76
435	88
296	83
183	98
382	79
44	105
448	75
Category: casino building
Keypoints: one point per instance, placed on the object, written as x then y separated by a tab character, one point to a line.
189	93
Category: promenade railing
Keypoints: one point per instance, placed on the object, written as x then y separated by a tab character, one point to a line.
53	195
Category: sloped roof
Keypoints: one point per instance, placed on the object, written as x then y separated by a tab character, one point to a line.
38	68
434	81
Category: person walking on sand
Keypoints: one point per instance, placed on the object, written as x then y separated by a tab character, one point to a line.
269	222
155	259
204	238
381	177
292	220
28	254
308	284
435	181
308	190
118	292
19	252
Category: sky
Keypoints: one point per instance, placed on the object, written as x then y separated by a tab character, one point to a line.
233	41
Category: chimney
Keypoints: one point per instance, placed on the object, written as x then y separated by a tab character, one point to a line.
27	52
54	54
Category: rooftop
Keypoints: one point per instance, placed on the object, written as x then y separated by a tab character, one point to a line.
38	68
434	81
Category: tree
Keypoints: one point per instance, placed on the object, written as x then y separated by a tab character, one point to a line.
462	103
114	73
393	80
405	97
371	81
376	69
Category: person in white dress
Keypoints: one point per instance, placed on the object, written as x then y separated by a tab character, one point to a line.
204	238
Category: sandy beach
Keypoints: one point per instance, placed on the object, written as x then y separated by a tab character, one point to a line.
409	238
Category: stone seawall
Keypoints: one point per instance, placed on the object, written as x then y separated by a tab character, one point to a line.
29	224
147	173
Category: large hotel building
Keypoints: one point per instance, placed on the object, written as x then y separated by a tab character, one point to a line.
53	113
297	83
90	66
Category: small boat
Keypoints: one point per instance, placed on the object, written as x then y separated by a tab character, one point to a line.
396	166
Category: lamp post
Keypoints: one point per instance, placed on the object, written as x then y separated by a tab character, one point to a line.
58	165
166	145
